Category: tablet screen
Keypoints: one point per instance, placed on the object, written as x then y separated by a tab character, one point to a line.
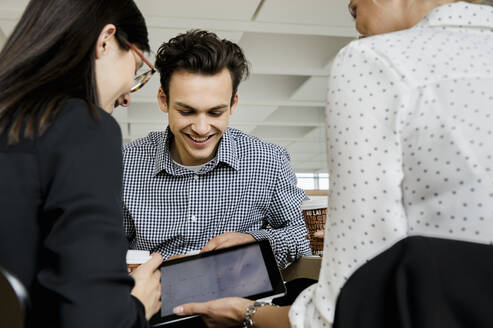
248	270
228	274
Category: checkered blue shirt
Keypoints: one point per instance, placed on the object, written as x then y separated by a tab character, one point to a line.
249	187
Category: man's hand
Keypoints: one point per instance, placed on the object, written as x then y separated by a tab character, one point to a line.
227	239
223	312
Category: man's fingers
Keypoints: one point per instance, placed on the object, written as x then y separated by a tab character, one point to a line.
212	244
226	243
320	234
227	239
191	308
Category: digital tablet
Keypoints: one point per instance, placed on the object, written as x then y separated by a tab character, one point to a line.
248	270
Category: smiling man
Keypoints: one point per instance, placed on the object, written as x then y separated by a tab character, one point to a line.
200	185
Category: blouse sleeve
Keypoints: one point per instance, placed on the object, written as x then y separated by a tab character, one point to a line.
82	261
365	212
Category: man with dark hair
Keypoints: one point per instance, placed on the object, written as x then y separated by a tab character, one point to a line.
200	185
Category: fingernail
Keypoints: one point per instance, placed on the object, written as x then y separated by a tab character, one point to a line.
178	310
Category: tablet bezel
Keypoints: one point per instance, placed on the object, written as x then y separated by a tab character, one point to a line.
270	263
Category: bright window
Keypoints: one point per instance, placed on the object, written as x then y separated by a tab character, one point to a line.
306	181
310	181
323	181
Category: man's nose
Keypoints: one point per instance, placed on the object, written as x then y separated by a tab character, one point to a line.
200	126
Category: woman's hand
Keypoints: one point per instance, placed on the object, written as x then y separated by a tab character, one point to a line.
223	312
148	284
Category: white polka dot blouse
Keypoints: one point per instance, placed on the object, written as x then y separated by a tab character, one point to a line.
410	144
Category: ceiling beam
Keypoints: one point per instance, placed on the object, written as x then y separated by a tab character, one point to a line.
257	11
225	25
249	26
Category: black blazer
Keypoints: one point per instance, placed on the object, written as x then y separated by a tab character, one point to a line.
61	228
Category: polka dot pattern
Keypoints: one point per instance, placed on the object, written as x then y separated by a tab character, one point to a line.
410	121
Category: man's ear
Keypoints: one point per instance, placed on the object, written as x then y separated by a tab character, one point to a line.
162	100
234	104
106	35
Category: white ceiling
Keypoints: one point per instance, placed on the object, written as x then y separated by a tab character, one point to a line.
290	45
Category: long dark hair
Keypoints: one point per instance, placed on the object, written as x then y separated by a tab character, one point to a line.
49	57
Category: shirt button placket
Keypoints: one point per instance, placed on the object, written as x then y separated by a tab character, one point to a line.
193	217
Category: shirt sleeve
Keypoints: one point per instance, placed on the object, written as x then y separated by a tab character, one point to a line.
366	97
286	230
82	263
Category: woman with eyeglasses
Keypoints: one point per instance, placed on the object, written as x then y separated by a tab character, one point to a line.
64	68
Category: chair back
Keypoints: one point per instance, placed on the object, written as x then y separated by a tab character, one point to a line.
14	301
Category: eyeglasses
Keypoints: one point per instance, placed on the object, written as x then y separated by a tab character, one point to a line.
143	78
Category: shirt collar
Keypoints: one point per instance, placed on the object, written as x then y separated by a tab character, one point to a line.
227	151
226	154
459	14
